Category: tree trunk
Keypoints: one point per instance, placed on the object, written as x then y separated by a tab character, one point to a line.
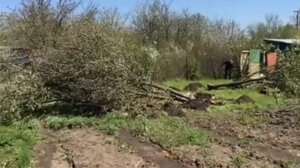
234	84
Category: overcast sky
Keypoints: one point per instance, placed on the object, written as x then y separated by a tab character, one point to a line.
244	12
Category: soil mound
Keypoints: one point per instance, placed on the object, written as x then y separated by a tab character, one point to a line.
197	104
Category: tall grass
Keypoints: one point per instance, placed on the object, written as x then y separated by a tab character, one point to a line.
16	144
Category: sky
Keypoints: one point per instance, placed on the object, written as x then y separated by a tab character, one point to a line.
245	12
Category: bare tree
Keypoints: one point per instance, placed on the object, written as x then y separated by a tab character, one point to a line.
38	22
153	22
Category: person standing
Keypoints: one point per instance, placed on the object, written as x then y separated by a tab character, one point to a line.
228	69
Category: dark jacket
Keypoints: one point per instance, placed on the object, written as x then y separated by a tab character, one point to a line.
228	65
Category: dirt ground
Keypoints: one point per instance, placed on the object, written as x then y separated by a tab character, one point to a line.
273	143
269	144
89	149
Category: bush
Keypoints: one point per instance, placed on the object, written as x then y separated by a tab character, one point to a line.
288	77
91	67
78	61
21	95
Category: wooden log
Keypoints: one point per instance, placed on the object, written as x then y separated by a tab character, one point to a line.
234	84
175	94
155	96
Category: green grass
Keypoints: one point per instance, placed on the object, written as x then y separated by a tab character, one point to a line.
110	124
60	122
177	83
113	123
239	112
261	101
168	131
182	83
16	144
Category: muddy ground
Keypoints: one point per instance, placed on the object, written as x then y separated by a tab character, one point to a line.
84	148
273	143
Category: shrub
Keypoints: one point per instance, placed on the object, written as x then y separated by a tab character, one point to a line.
91	67
288	77
78	61
21	96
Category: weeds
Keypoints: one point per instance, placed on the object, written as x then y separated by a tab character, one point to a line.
16	144
140	126
169	131
112	124
241	113
239	161
261	101
57	122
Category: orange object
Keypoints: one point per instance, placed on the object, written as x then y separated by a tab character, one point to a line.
272	59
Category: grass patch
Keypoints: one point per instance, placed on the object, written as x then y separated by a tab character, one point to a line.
113	123
169	131
177	83
110	124
182	83
242	112
60	122
16	144
239	161
239	112
261	101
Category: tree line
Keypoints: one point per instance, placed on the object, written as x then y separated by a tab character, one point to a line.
99	60
186	44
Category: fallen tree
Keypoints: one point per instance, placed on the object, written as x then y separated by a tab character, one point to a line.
174	94
235	84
